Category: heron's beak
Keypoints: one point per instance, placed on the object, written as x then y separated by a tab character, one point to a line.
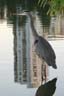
23	13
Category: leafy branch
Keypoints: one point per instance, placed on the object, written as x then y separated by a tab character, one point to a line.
56	6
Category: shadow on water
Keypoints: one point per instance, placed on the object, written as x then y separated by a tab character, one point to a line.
47	89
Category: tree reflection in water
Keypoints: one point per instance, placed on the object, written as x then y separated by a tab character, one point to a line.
48	89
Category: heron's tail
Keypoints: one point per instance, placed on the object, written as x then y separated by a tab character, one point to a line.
53	64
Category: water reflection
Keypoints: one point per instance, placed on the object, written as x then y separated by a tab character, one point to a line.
48	89
50	27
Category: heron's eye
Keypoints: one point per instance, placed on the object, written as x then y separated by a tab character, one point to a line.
36	41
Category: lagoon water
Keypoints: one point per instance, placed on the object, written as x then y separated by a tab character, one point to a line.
7	85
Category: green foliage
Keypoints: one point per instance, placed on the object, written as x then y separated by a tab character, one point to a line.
56	6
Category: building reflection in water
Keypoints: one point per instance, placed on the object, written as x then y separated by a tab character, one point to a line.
47	89
28	67
56	29
20	66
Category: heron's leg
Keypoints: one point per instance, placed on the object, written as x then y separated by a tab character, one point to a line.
43	71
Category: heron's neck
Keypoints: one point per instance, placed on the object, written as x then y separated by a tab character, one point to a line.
32	26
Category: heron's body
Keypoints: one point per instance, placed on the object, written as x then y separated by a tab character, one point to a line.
45	51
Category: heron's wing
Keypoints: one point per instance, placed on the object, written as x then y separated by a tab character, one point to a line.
45	51
40	49
47	48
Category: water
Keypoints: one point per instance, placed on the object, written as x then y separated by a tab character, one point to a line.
58	46
7	85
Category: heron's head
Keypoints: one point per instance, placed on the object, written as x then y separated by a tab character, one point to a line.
28	14
24	13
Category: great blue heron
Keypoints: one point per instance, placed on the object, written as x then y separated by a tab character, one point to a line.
47	89
42	48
